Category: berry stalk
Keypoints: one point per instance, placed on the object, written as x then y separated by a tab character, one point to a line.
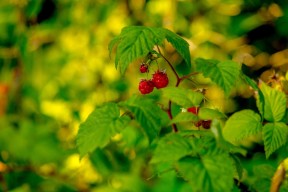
171	66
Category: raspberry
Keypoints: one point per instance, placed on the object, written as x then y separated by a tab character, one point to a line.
206	124
193	110
144	68
160	79
198	123
146	86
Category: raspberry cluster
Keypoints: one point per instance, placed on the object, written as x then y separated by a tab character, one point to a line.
206	124
159	80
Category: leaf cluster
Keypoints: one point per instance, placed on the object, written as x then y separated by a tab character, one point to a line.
208	160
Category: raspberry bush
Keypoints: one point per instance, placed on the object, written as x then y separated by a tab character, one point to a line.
183	135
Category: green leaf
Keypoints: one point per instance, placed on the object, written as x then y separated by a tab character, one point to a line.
241	125
237	165
33	141
260	98
285	118
137	41
274	136
102	162
132	137
134	42
171	148
216	129
263	174
275	103
209	173
184	117
103	123
183	97
207	113
33	8
112	43
224	73
148	114
181	46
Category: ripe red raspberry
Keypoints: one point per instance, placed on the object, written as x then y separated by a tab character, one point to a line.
206	124
146	86
144	68
160	79
193	110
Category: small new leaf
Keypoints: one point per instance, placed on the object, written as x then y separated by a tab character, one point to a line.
242	124
274	136
103	123
183	97
224	73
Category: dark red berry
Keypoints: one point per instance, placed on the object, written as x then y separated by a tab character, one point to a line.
144	68
146	86
160	79
193	110
198	123
206	124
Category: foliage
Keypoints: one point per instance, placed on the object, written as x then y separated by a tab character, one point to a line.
205	166
137	41
224	73
72	119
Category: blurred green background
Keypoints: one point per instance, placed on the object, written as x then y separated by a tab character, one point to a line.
55	68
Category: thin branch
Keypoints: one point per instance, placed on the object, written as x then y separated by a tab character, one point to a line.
189	75
175	129
168	62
